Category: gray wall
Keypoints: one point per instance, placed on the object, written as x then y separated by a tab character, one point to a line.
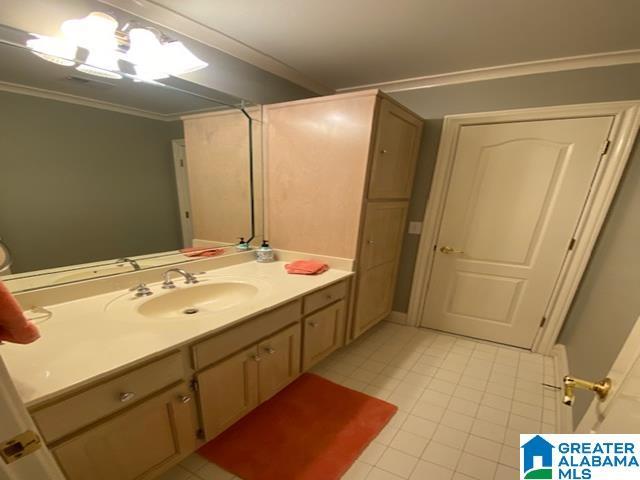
607	303
79	184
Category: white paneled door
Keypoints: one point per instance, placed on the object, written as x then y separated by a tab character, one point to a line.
514	200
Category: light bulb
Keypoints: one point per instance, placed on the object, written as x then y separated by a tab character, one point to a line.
95	31
56	50
179	59
145	53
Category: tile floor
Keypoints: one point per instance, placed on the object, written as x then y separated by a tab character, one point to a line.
462	404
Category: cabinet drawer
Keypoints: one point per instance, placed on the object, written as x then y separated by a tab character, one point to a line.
323	333
323	297
238	337
81	409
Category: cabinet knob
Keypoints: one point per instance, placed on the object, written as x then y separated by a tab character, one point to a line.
371	242
329	296
255	357
270	350
384	150
126	396
313	324
185	398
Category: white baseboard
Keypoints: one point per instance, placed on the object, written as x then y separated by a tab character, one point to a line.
564	416
398	317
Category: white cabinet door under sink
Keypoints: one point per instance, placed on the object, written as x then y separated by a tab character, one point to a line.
514	200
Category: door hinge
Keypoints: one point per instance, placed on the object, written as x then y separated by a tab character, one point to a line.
194	385
434	247
605	147
543	321
19	446
572	244
200	433
186	214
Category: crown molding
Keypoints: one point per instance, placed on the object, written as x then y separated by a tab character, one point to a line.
87	102
202	33
578	62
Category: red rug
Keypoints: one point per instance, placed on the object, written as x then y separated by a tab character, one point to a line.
312	430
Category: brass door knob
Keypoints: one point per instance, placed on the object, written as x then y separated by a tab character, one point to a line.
601	388
450	250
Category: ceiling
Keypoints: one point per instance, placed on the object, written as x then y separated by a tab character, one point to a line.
358	42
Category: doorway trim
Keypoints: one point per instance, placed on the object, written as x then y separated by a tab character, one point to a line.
622	137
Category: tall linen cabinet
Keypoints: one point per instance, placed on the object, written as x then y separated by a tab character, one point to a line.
338	176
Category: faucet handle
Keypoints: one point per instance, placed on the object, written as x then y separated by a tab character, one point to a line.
191	278
168	284
141	290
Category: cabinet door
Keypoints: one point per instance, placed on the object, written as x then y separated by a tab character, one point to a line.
228	390
136	444
280	361
323	333
383	233
395	152
374	296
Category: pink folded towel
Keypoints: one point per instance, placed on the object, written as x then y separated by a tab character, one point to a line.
306	267
14	326
202	251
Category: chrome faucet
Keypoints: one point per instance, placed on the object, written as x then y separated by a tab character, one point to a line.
130	261
189	278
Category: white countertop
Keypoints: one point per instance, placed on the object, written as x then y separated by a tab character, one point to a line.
82	341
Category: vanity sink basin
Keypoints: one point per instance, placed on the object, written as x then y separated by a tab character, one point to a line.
196	300
186	301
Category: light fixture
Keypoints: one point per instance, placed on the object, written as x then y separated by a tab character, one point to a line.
96	31
151	57
52	49
145	53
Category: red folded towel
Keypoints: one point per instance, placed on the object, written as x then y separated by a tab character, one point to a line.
14	326
306	267
201	251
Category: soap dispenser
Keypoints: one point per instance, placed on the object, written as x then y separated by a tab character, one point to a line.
265	254
242	246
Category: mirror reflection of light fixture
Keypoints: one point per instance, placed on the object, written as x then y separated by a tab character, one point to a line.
52	49
179	59
152	56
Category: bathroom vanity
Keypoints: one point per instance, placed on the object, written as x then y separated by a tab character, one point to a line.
172	380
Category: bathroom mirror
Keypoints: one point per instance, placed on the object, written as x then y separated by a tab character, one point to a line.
101	175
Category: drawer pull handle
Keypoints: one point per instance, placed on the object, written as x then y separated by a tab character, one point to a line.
185	398
313	324
126	396
256	358
270	350
329	296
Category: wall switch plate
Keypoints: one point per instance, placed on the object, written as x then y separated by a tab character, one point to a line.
415	228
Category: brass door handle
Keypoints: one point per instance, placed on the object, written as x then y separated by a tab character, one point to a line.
450	250
601	388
